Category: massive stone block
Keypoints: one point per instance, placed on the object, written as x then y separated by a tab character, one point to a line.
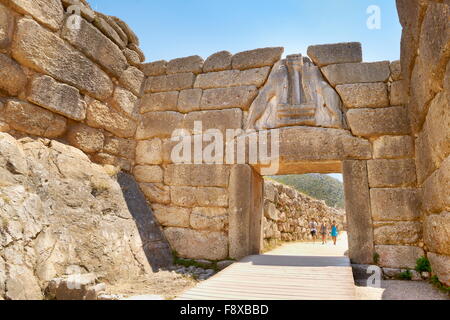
307	145
48	12
100	115
436	190
156	68
125	148
149	174
437	128
434	44
163	101
439	265
149	152
172	216
221	120
6	26
395	204
357	72
133	80
105	25
424	162
96	46
189	100
88	139
192	64
173	82
396	70
359	217
228	98
399	93
323	55
398	256
156	192
436	231
421	95
197	175
29	118
57	97
393	147
256	58
391	173
232	78
12	76
218	62
395	233
45	52
212	219
163	124
132	57
159	124
126	102
364	95
239	211
194	244
378	122
132	37
199	197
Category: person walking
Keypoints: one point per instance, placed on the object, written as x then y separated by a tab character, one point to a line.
334	232
323	232
313	227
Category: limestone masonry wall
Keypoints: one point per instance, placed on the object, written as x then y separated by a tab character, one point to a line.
426	80
288	213
78	85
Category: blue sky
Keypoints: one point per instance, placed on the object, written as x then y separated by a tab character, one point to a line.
176	28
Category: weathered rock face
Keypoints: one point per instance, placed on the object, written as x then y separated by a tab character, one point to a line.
58	209
425	74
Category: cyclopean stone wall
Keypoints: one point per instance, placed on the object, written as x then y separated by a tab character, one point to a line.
288	213
59	212
195	203
88	87
426	81
80	85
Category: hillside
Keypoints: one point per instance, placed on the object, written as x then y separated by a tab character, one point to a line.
319	186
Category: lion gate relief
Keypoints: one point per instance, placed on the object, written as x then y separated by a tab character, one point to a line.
296	94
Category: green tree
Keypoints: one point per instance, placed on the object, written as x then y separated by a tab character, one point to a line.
318	186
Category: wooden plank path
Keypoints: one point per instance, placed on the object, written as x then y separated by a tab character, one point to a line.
297	271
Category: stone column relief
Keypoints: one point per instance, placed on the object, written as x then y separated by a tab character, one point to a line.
296	94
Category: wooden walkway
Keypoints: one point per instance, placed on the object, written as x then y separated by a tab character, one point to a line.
298	271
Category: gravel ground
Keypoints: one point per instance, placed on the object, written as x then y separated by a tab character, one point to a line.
166	284
400	290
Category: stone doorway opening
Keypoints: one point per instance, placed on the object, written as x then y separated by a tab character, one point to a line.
356	219
287	212
302	208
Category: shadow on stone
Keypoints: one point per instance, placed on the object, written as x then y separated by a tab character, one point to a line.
155	245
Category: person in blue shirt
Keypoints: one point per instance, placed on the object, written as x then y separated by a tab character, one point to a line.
334	232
